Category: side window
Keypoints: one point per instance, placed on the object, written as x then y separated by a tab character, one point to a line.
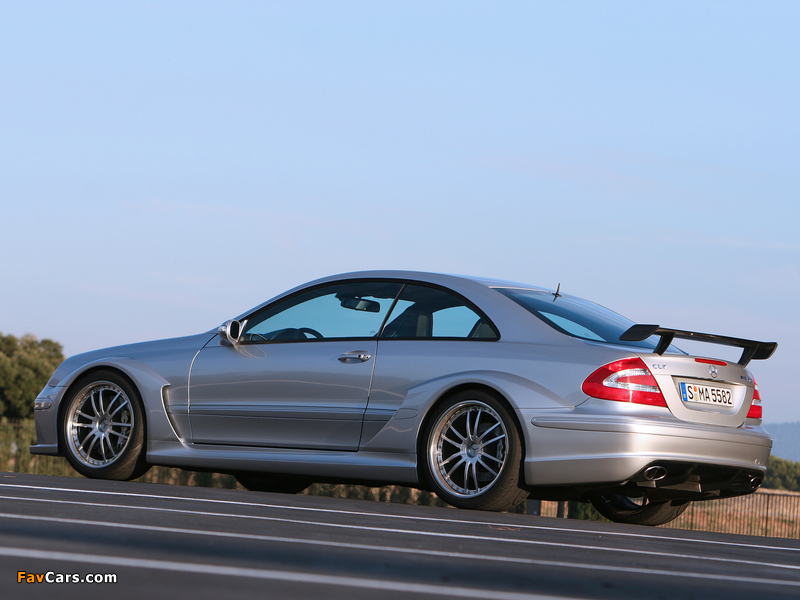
426	312
341	310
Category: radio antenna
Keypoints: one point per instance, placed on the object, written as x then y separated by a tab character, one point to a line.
556	293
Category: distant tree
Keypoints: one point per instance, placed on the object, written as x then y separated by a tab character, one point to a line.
782	475
25	366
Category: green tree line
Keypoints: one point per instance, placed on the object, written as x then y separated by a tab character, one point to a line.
782	475
25	366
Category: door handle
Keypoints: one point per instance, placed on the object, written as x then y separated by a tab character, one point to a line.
355	356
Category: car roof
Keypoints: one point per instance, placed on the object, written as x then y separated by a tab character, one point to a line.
431	277
512	320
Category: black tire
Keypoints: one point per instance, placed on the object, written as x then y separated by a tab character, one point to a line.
102	428
263	482
639	511
456	434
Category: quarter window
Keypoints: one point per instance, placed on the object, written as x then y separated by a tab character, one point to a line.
427	312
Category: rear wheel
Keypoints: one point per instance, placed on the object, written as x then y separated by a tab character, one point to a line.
637	511
473	453
102	429
263	482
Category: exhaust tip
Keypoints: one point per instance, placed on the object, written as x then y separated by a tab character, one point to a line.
655	473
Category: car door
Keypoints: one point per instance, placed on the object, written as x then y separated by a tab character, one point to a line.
431	333
300	375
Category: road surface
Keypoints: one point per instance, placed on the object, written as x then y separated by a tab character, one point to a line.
159	541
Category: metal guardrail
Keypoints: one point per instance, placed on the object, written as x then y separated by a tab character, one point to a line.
764	513
770	513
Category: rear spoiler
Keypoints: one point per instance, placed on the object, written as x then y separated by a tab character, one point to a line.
752	349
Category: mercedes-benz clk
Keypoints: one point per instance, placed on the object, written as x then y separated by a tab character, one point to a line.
482	391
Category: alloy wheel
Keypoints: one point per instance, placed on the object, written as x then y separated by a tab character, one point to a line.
99	423
468	448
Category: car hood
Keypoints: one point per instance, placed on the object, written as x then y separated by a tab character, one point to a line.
145	352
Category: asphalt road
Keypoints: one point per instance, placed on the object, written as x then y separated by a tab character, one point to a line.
177	542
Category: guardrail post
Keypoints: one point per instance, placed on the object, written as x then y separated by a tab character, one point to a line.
766	517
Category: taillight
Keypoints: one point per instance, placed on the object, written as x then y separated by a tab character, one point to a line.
627	380
755	407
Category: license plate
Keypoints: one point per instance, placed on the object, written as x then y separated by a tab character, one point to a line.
706	394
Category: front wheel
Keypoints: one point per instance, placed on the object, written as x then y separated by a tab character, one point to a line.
102	428
473	453
637	511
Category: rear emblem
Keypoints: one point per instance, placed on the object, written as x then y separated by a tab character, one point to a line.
713	370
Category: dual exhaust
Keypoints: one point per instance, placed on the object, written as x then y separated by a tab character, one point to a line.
681	477
655	473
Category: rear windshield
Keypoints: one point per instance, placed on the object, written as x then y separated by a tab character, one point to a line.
576	317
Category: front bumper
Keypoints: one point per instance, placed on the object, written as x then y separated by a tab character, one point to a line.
46	417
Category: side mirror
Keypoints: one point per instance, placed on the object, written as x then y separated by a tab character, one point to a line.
230	331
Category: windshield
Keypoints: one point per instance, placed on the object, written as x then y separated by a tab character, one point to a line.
576	317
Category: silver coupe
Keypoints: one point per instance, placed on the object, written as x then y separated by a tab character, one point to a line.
482	391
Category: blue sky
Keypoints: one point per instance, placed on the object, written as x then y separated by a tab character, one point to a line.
166	166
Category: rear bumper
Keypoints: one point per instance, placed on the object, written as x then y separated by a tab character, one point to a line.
577	450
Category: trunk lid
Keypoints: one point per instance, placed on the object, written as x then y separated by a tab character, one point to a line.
703	390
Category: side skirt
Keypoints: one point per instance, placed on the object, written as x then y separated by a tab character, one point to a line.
400	469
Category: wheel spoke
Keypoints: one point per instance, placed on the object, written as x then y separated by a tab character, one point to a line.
118	434
94	405
81	442
114	399
120	424
487	467
91	446
455	466
492	441
119	408
110	448
452	457
488	431
494	458
475	476
447	439
454	430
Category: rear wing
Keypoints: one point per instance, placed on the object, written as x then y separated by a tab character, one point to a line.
752	349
